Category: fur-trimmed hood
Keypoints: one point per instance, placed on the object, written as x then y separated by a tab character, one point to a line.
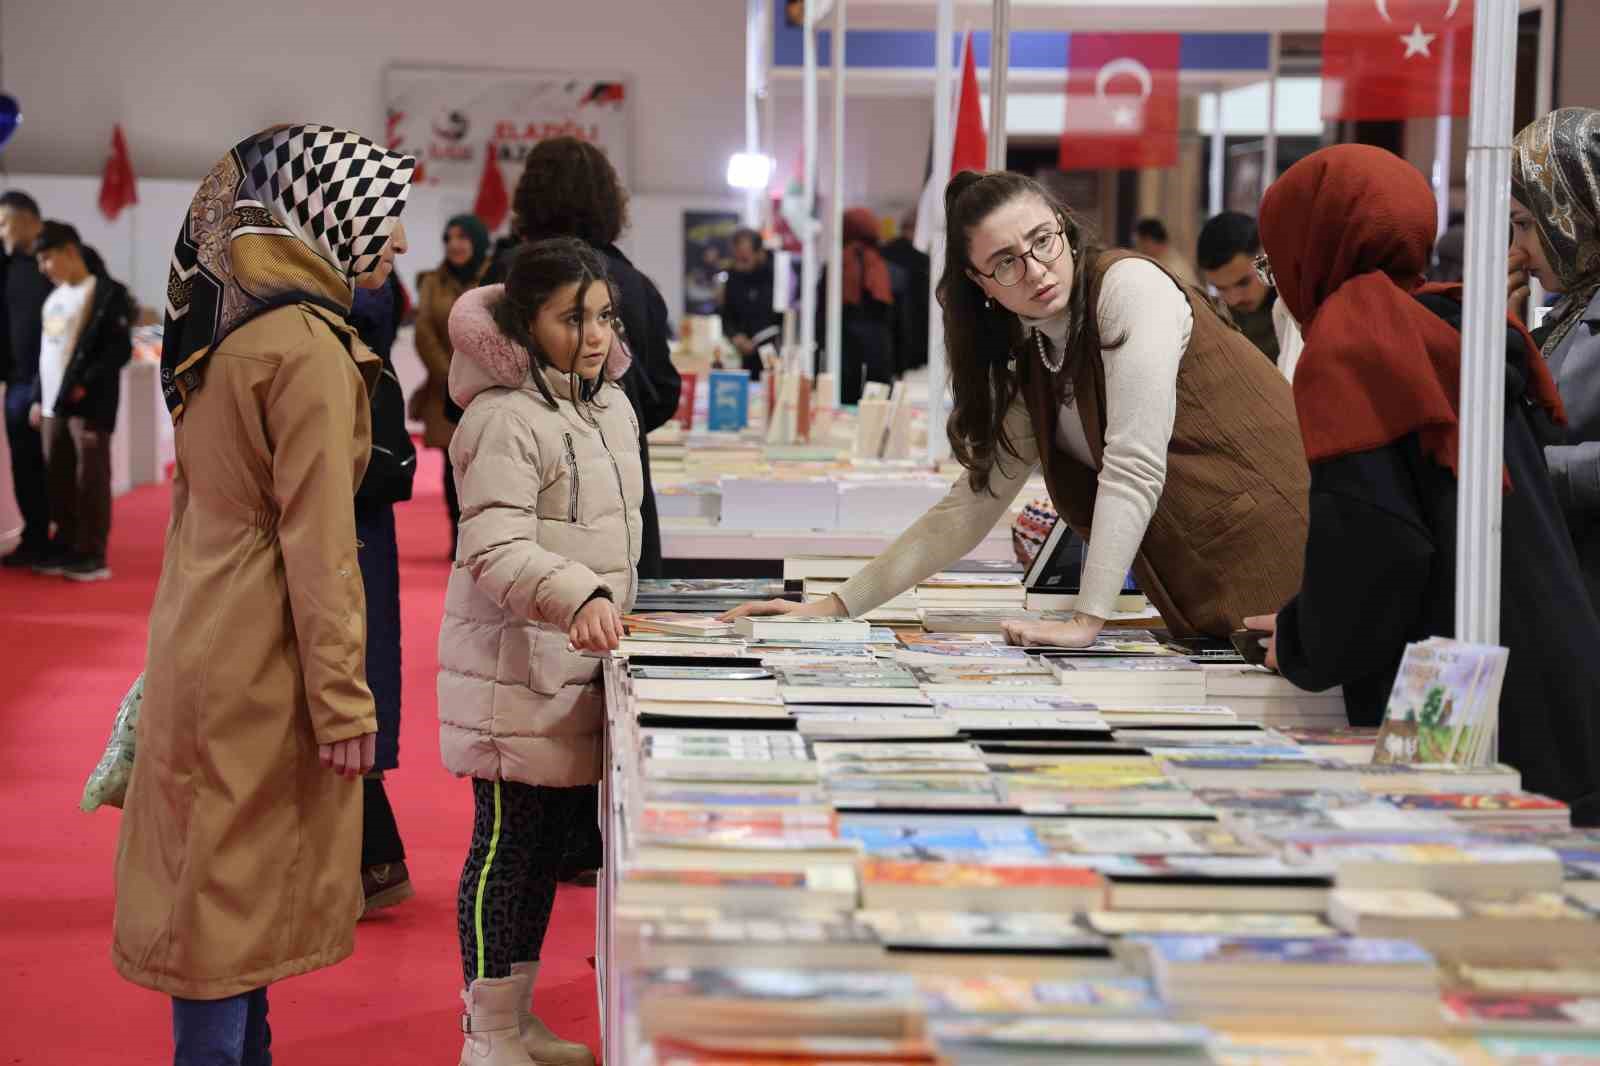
485	358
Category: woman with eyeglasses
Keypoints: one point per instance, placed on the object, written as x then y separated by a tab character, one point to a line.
1350	230
1163	435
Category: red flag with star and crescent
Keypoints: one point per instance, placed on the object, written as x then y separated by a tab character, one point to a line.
1396	59
1122	101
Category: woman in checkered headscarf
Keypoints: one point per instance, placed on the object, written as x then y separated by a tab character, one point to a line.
241	832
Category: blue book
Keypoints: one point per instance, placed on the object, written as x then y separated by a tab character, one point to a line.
994	842
728	409
1321	951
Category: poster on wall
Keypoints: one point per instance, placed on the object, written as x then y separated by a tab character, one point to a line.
447	118
707	253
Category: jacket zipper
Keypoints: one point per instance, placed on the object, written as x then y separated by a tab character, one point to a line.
622	496
572	469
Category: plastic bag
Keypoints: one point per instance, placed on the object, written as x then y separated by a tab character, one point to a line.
108	782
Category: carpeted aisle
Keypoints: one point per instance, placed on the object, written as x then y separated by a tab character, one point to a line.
69	651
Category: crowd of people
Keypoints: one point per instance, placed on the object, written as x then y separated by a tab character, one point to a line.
65	335
1282	456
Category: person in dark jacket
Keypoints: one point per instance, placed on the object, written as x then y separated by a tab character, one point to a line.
918	268
569	188
86	340
376	315
1349	231
1555	221
26	290
872	330
748	319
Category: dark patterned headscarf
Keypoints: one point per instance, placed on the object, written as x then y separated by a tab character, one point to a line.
1555	173
293	214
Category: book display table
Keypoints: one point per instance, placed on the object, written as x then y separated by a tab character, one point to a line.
931	848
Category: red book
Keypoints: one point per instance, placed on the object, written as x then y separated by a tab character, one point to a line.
1122	101
1396	59
685	413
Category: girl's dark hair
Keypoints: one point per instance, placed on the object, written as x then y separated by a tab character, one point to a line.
569	188
982	342
537	270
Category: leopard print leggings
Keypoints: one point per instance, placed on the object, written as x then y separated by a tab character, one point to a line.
519	835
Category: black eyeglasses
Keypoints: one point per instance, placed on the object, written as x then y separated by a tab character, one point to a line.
1045	249
1263	267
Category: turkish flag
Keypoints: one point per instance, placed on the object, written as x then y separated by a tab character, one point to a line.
1122	101
493	204
117	187
970	148
1395	59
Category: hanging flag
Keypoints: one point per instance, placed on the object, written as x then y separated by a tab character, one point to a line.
493	204
969	150
1122	101
117	186
1396	59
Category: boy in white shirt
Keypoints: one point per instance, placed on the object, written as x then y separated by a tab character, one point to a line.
85	343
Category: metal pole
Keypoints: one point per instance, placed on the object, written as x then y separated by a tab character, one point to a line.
754	88
1442	138
835	339
943	70
1483	332
808	187
999	82
1219	151
1544	94
1269	152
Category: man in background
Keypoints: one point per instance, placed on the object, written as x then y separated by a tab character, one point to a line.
901	252
1150	238
1228	247
22	311
86	340
748	320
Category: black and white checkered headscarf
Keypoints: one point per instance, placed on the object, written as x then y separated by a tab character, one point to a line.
293	214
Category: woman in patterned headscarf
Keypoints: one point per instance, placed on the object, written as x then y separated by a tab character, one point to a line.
1555	222
241	831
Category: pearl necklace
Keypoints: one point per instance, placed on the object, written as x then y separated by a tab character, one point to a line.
1045	348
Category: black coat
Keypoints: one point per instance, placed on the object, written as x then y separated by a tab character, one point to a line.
392	467
104	347
1381	571
747	309
652	383
26	290
913	302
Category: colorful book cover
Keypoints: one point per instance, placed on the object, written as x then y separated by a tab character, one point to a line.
1308	951
1432	703
1007	995
715	879
1555	1011
962	931
1201	923
945	840
728	406
973	875
1471	803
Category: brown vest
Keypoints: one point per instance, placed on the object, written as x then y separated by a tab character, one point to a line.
1228	536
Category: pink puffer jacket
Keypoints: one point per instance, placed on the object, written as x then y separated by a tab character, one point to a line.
549	513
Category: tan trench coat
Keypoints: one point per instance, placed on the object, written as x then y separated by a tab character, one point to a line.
438	294
239	853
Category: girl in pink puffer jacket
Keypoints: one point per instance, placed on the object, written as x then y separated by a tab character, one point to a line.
546	459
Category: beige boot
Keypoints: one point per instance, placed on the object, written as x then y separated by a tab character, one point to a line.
543	1046
490	1022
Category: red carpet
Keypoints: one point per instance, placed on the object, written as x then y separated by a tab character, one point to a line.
70	652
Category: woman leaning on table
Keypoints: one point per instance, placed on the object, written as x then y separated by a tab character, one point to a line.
1349	231
1163	435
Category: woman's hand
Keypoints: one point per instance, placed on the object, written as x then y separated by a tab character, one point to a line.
597	627
1517	282
1078	633
350	758
830	606
1267	623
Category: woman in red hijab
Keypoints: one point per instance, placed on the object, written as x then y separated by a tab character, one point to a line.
870	328
1348	232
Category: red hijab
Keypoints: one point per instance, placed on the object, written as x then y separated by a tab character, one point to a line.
1349	230
864	268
